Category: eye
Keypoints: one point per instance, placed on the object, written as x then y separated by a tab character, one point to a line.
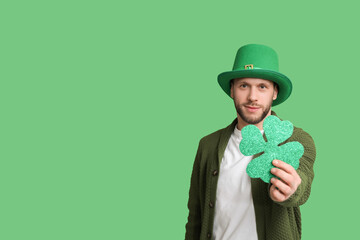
263	87
243	85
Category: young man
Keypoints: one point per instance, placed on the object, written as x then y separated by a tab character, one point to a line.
224	202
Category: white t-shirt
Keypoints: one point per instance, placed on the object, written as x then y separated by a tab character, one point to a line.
234	208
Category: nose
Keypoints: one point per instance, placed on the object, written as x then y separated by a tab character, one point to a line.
252	95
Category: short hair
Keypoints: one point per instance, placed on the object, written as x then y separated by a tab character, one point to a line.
276	86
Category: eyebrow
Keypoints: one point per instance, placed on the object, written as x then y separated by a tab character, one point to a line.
242	82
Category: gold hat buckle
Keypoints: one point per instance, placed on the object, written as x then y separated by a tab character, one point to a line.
249	66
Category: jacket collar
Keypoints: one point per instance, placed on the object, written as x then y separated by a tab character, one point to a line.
224	139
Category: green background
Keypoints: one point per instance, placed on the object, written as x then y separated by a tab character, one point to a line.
103	104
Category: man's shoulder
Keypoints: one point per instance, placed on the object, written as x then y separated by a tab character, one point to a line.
302	136
299	135
214	137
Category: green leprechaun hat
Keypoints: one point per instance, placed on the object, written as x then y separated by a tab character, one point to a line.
257	61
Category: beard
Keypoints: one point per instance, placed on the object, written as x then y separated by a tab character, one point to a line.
249	119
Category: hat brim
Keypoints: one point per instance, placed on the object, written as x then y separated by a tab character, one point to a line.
283	82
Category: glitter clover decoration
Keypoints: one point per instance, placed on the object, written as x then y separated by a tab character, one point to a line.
276	132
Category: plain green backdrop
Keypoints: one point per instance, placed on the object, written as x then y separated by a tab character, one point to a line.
103	104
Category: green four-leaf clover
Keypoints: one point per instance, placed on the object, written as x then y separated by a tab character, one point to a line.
276	132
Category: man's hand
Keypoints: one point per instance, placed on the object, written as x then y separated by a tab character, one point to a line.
281	190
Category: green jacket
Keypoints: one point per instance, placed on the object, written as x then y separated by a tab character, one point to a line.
274	220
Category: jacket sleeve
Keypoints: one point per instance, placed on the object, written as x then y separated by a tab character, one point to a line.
305	170
193	225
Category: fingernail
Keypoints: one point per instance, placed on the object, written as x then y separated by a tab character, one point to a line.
275	161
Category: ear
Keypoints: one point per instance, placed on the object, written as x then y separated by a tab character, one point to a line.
275	93
232	88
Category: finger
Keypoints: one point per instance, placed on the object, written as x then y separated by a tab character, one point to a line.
282	187
284	166
284	176
276	195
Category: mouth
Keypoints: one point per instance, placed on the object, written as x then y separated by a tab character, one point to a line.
252	108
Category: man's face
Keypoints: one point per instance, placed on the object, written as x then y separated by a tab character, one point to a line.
253	98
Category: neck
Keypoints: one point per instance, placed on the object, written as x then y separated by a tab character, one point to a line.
241	123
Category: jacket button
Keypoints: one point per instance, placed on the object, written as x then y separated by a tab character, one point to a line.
211	205
209	235
215	172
